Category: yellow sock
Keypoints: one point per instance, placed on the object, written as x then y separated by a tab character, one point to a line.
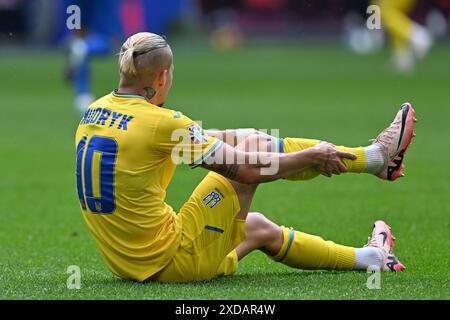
289	145
358	165
304	251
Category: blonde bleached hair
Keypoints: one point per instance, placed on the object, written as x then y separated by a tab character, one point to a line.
144	54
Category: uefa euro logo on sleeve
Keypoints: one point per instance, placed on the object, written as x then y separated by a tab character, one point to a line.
196	134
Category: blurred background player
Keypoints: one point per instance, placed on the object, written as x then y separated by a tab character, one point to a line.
410	41
221	20
101	27
104	25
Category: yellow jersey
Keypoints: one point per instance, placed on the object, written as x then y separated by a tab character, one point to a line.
127	151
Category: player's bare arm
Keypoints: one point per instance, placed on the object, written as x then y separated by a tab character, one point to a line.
324	156
234	136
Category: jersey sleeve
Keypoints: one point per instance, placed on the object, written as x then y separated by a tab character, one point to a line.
184	140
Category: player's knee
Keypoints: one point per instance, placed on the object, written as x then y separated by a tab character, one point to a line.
260	229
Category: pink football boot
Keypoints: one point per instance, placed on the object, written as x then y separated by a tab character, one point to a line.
383	239
395	140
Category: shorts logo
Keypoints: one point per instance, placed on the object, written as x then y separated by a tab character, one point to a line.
213	198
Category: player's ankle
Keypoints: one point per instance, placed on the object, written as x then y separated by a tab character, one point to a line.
376	159
367	257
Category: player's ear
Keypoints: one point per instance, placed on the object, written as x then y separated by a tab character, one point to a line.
162	78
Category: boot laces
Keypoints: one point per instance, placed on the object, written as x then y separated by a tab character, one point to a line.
386	137
372	242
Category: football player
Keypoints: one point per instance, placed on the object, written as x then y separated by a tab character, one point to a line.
410	40
128	146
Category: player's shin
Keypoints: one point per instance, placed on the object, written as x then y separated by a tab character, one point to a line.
305	251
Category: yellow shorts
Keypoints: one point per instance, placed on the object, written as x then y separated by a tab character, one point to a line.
210	234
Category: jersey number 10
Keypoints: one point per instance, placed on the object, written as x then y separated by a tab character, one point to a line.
104	150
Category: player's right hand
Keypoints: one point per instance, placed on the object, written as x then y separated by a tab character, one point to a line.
328	159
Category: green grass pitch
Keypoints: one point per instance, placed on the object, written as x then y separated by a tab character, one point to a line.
314	91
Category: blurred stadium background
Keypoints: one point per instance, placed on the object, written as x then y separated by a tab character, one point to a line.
308	67
43	22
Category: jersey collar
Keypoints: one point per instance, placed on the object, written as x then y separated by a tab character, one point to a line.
124	95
